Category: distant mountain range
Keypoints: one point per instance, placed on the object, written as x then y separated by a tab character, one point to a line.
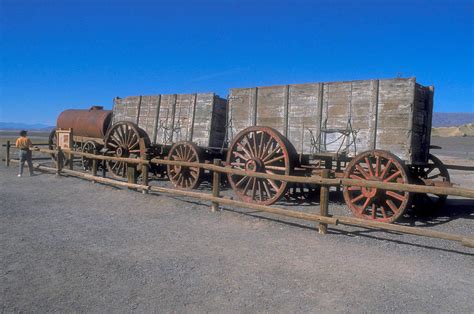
25	126
444	119
440	119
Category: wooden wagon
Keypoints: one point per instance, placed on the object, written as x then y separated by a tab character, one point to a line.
183	127
369	130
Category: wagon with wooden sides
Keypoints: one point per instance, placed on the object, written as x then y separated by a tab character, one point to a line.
181	127
376	130
185	127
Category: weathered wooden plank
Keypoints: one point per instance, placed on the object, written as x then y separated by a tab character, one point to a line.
165	123
304	118
270	107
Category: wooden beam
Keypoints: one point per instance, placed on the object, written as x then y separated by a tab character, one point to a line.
216	182
324	203
7	154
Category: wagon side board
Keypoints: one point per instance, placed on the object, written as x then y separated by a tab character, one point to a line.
341	117
170	118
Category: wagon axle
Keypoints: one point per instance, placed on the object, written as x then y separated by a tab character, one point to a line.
255	165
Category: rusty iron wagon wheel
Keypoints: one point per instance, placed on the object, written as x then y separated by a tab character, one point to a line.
375	203
89	147
433	171
127	140
264	150
52	145
185	177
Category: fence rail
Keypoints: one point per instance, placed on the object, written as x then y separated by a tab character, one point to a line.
324	218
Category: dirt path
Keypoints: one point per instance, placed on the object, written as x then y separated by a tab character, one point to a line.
70	245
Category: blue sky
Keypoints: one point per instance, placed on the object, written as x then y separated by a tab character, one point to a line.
59	54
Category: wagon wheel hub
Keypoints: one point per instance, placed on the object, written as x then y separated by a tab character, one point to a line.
122	152
178	169
254	165
370	192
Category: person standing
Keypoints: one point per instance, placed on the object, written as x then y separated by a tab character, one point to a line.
23	143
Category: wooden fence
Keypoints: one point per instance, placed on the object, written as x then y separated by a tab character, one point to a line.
217	168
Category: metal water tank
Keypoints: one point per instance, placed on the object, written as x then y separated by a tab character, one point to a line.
93	122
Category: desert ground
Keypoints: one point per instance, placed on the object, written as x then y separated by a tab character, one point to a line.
70	245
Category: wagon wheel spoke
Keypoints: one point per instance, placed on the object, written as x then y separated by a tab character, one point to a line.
358	198
367	202
395	195
369	166
377	166
267	189
393	176
385	170
254	141
281	157
354	176
261	145
392	206
271	153
354	188
362	171
275	168
247	185
241	181
246	151
239	155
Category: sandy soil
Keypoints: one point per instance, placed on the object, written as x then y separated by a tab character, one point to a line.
454	131
70	245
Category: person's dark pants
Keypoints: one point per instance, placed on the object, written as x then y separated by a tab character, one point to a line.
25	155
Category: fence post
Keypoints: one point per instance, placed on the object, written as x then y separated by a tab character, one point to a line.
132	174
145	169
94	165
7	157
104	165
216	181
59	161
71	159
324	202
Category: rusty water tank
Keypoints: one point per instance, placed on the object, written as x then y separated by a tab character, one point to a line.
92	122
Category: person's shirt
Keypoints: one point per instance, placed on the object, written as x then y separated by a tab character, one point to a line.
23	142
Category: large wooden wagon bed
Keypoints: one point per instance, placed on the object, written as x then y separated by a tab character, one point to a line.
369	130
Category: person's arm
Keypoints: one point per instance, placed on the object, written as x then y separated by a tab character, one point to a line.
17	144
29	143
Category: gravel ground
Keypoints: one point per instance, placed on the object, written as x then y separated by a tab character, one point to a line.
70	245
